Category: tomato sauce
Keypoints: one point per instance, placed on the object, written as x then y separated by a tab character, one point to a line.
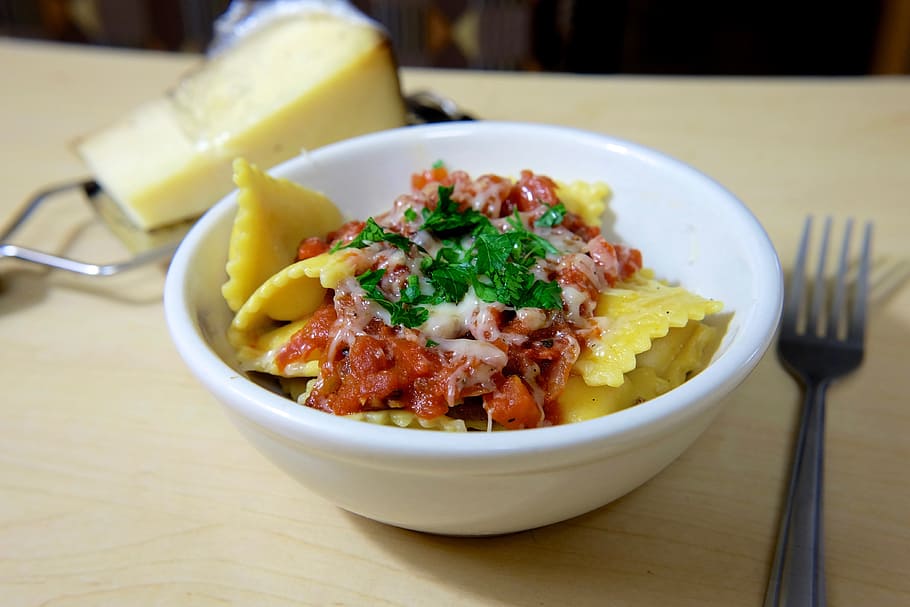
375	366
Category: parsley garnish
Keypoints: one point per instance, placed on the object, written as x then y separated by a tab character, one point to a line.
372	233
553	216
449	273
402	312
447	218
497	264
544	295
514	285
450	281
529	244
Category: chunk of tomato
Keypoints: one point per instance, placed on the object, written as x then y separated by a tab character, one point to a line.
512	405
311	247
438	175
530	191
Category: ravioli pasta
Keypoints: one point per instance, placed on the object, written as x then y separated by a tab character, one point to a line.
473	304
631	315
272	216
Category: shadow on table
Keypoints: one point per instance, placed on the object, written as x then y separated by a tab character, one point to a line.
24	285
585	561
22	288
623	553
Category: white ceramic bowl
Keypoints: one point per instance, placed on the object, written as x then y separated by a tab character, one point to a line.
690	230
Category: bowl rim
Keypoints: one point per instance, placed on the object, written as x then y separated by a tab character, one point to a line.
345	438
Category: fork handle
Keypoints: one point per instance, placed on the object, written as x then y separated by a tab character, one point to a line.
798	572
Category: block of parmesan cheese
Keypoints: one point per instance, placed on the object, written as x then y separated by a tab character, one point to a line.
295	85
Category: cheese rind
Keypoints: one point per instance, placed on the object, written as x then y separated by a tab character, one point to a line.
296	85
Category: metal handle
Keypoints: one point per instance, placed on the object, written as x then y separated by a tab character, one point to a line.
82	267
91	190
798	572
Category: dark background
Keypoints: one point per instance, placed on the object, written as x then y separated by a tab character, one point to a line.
587	36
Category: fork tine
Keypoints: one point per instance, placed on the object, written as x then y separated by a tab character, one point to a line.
857	325
797	281
818	291
838	308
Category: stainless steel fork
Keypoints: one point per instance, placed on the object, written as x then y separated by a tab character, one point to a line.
817	344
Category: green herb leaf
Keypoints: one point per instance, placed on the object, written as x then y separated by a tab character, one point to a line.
544	295
453	252
450	282
411	292
497	264
493	250
449	273
369	281
553	216
410	214
401	312
409	316
447	218
502	264
530	244
514	286
512	282
484	290
372	233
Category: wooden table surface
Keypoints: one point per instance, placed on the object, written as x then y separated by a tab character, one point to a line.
123	483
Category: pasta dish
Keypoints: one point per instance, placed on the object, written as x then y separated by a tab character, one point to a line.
471	303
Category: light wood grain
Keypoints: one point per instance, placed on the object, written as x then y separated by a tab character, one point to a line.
124	484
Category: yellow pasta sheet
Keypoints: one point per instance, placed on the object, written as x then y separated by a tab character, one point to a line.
630	316
273	216
671	360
